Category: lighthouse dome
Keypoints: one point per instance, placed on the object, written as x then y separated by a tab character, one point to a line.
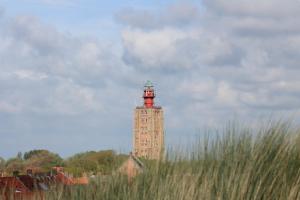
148	84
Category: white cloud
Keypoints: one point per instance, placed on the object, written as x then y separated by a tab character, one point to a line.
178	14
226	95
176	49
153	49
70	98
55	2
31	75
255	8
9	107
47	71
200	89
247	51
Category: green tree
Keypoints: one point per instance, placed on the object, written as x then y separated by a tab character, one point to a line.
2	164
42	159
29	154
14	164
95	162
19	155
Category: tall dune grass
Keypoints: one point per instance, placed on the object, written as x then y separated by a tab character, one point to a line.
238	164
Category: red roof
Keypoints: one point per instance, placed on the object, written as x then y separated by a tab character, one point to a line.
13	186
23	185
13	182
27	181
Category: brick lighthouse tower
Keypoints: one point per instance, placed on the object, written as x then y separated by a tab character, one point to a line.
148	140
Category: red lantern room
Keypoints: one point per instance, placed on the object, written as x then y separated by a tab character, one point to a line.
149	95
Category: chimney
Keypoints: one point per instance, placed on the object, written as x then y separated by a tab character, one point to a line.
29	172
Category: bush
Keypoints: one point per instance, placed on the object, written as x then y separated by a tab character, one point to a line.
104	162
42	159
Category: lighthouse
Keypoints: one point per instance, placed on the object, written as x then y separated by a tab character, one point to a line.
148	131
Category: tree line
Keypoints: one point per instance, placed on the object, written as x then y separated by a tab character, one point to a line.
41	160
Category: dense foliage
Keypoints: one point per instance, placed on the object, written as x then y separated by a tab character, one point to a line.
41	160
101	162
2	164
92	162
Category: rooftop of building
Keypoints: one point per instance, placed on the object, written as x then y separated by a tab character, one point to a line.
148	84
144	107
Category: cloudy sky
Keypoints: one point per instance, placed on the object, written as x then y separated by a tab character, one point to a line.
72	71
